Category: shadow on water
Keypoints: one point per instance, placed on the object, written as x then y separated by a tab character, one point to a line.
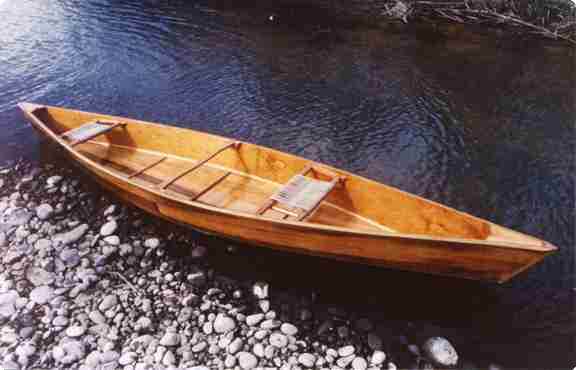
484	126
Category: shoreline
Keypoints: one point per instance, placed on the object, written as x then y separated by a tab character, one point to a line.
552	20
88	283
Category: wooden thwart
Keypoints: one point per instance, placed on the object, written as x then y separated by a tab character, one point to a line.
165	184
211	186
146	168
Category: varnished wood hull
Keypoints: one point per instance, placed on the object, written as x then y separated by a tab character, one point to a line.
497	256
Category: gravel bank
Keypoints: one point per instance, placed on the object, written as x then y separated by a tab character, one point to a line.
88	283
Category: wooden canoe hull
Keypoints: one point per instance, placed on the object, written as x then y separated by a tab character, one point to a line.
441	256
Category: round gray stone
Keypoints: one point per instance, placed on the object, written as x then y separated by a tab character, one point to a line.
440	351
307	359
108	302
44	211
288	329
41	294
223	324
247	361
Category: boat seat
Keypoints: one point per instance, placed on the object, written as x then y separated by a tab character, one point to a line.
90	130
301	195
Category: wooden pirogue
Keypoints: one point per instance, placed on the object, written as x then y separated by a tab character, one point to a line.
262	196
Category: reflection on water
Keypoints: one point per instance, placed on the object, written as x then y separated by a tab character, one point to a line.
485	127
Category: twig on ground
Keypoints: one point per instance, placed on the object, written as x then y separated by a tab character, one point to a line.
138	293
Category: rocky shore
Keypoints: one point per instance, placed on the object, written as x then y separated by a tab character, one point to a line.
89	283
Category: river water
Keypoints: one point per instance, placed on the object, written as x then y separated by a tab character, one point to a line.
482	125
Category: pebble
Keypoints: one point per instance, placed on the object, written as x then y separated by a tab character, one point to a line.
235	345
378	357
152	243
359	363
97	317
38	276
7	303
440	351
73	235
343	362
108	302
110	210
9	365
68	352
128	358
75	331
270	324
44	211
230	361
260	290
112	240
169	358
19	217
207	328
288	329
264	305
170	339
223	324
93	359
41	294
278	340
253	320
199	347
144	323
53	180
8	337
70	257
108	228
247	361
258	350
307	359
346	351
26	349
109	355
60	321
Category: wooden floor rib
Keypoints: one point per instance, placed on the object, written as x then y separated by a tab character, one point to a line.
209	184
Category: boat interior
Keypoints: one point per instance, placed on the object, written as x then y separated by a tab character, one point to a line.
246	178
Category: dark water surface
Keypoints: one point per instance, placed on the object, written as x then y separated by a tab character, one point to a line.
483	126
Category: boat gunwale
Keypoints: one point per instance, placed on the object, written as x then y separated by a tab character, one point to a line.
540	247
